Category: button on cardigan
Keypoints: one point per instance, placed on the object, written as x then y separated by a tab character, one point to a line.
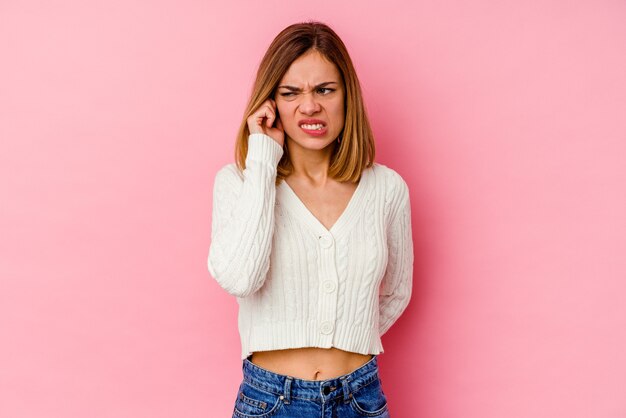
297	283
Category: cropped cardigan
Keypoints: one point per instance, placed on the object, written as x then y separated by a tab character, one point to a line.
297	283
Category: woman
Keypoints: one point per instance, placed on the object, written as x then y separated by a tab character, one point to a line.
311	235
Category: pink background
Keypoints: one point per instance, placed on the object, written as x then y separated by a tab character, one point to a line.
506	119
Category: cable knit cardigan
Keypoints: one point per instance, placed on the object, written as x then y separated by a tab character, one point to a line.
297	283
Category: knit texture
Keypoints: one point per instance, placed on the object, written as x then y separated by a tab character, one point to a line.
299	284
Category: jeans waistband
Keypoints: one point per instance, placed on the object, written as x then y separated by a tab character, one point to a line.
316	390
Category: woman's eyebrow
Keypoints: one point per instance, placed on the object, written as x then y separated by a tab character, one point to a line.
292	88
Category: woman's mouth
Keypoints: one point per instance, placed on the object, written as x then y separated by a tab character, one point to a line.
315	129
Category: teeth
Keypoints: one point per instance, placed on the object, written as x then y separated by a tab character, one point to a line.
317	126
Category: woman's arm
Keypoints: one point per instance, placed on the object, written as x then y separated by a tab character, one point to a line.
243	218
397	283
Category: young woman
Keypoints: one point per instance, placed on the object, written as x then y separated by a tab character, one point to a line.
311	235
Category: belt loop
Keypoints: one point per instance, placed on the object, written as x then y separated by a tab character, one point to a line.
346	389
287	395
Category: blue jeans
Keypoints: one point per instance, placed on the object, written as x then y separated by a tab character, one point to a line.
263	393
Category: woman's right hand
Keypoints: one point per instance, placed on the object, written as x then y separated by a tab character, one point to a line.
262	119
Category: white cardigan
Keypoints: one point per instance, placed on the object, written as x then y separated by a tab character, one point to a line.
299	284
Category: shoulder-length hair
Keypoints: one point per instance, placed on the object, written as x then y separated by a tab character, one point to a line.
356	151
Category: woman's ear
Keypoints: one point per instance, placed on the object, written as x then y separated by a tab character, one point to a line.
275	124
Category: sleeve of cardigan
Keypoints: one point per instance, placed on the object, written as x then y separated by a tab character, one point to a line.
397	282
242	223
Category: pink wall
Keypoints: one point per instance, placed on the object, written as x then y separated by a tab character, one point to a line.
506	119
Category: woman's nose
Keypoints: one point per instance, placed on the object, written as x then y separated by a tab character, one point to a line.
309	105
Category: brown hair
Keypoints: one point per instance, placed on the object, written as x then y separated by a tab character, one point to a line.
356	150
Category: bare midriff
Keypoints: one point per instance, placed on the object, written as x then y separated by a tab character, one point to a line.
310	363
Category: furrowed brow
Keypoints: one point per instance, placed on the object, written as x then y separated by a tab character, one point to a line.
292	88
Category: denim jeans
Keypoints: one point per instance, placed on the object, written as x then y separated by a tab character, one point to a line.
263	393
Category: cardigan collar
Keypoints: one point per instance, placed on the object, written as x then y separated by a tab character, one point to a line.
290	200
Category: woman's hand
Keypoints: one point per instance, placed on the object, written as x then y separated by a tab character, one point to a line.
262	119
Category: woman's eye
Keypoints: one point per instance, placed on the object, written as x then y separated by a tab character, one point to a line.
322	90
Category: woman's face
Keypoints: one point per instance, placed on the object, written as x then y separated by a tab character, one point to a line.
310	101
